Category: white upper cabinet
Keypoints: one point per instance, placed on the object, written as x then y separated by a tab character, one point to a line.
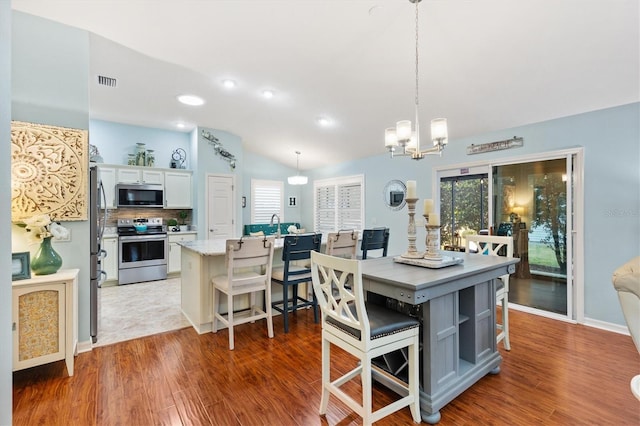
177	190
108	177
140	175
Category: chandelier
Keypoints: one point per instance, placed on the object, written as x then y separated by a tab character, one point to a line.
402	140
297	179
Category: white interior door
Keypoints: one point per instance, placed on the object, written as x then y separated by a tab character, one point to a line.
220	206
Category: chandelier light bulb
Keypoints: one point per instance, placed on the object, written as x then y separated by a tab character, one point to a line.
403	131
439	133
390	137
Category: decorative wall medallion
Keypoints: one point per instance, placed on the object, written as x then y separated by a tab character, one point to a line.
48	171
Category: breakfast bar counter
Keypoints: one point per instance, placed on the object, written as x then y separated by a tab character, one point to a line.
202	260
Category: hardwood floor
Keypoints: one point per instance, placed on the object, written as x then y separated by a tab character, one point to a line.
544	293
556	374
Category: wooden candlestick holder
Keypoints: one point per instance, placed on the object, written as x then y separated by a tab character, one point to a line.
433	240
412	251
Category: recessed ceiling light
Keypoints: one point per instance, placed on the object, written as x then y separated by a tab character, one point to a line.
267	94
192	100
180	125
229	84
323	121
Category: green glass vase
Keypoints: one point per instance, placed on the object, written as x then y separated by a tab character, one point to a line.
46	260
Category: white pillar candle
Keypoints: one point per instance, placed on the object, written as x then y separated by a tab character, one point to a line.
428	206
411	189
434	219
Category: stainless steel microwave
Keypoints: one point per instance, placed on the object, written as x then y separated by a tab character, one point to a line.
140	195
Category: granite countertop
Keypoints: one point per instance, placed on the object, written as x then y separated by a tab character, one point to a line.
216	247
205	247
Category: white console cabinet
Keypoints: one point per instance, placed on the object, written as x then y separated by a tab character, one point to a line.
45	319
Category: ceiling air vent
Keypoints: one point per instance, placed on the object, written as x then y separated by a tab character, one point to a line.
107	81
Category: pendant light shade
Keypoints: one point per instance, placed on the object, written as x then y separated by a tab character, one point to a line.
298	179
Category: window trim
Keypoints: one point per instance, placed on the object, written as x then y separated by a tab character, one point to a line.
337	182
265	183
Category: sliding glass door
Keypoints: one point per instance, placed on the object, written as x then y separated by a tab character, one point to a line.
530	204
532	200
464	202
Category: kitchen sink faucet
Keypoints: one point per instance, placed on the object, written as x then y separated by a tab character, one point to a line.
271	224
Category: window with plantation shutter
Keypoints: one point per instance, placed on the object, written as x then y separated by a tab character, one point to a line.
338	204
266	199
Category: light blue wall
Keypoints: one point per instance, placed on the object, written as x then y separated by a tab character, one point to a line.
50	69
208	162
258	167
6	404
610	139
115	140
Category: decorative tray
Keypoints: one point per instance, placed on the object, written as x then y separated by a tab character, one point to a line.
426	263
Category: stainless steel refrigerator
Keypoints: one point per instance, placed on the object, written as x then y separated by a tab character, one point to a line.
97	220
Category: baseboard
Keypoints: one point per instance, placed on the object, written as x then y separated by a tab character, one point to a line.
85	346
608	326
588	322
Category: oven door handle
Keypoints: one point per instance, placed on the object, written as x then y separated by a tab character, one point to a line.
156	237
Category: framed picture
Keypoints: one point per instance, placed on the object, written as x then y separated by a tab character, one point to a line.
20	269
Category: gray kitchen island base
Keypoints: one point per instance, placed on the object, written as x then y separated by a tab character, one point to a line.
458	332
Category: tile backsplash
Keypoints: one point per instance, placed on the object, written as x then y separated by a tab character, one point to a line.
127	213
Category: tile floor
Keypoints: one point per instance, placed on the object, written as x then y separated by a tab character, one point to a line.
130	311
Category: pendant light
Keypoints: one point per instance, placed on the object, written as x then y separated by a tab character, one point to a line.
297	179
406	140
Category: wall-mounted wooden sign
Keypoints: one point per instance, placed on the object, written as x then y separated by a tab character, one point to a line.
515	142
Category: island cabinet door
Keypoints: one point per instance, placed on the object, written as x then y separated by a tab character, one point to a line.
440	340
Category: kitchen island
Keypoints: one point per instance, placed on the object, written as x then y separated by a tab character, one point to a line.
201	260
457	309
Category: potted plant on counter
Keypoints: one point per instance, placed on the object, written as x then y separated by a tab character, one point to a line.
172	224
183	220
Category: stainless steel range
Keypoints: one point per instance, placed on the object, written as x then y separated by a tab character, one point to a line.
144	248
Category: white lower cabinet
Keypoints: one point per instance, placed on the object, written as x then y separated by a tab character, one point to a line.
110	261
173	265
45	319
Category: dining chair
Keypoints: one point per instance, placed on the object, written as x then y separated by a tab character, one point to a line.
295	251
342	244
249	265
493	245
374	239
366	331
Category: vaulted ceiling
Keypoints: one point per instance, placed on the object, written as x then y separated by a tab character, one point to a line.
484	65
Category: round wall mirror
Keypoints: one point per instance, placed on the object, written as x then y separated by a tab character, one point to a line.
394	194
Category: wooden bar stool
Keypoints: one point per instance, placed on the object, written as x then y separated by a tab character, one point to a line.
249	265
364	330
296	248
